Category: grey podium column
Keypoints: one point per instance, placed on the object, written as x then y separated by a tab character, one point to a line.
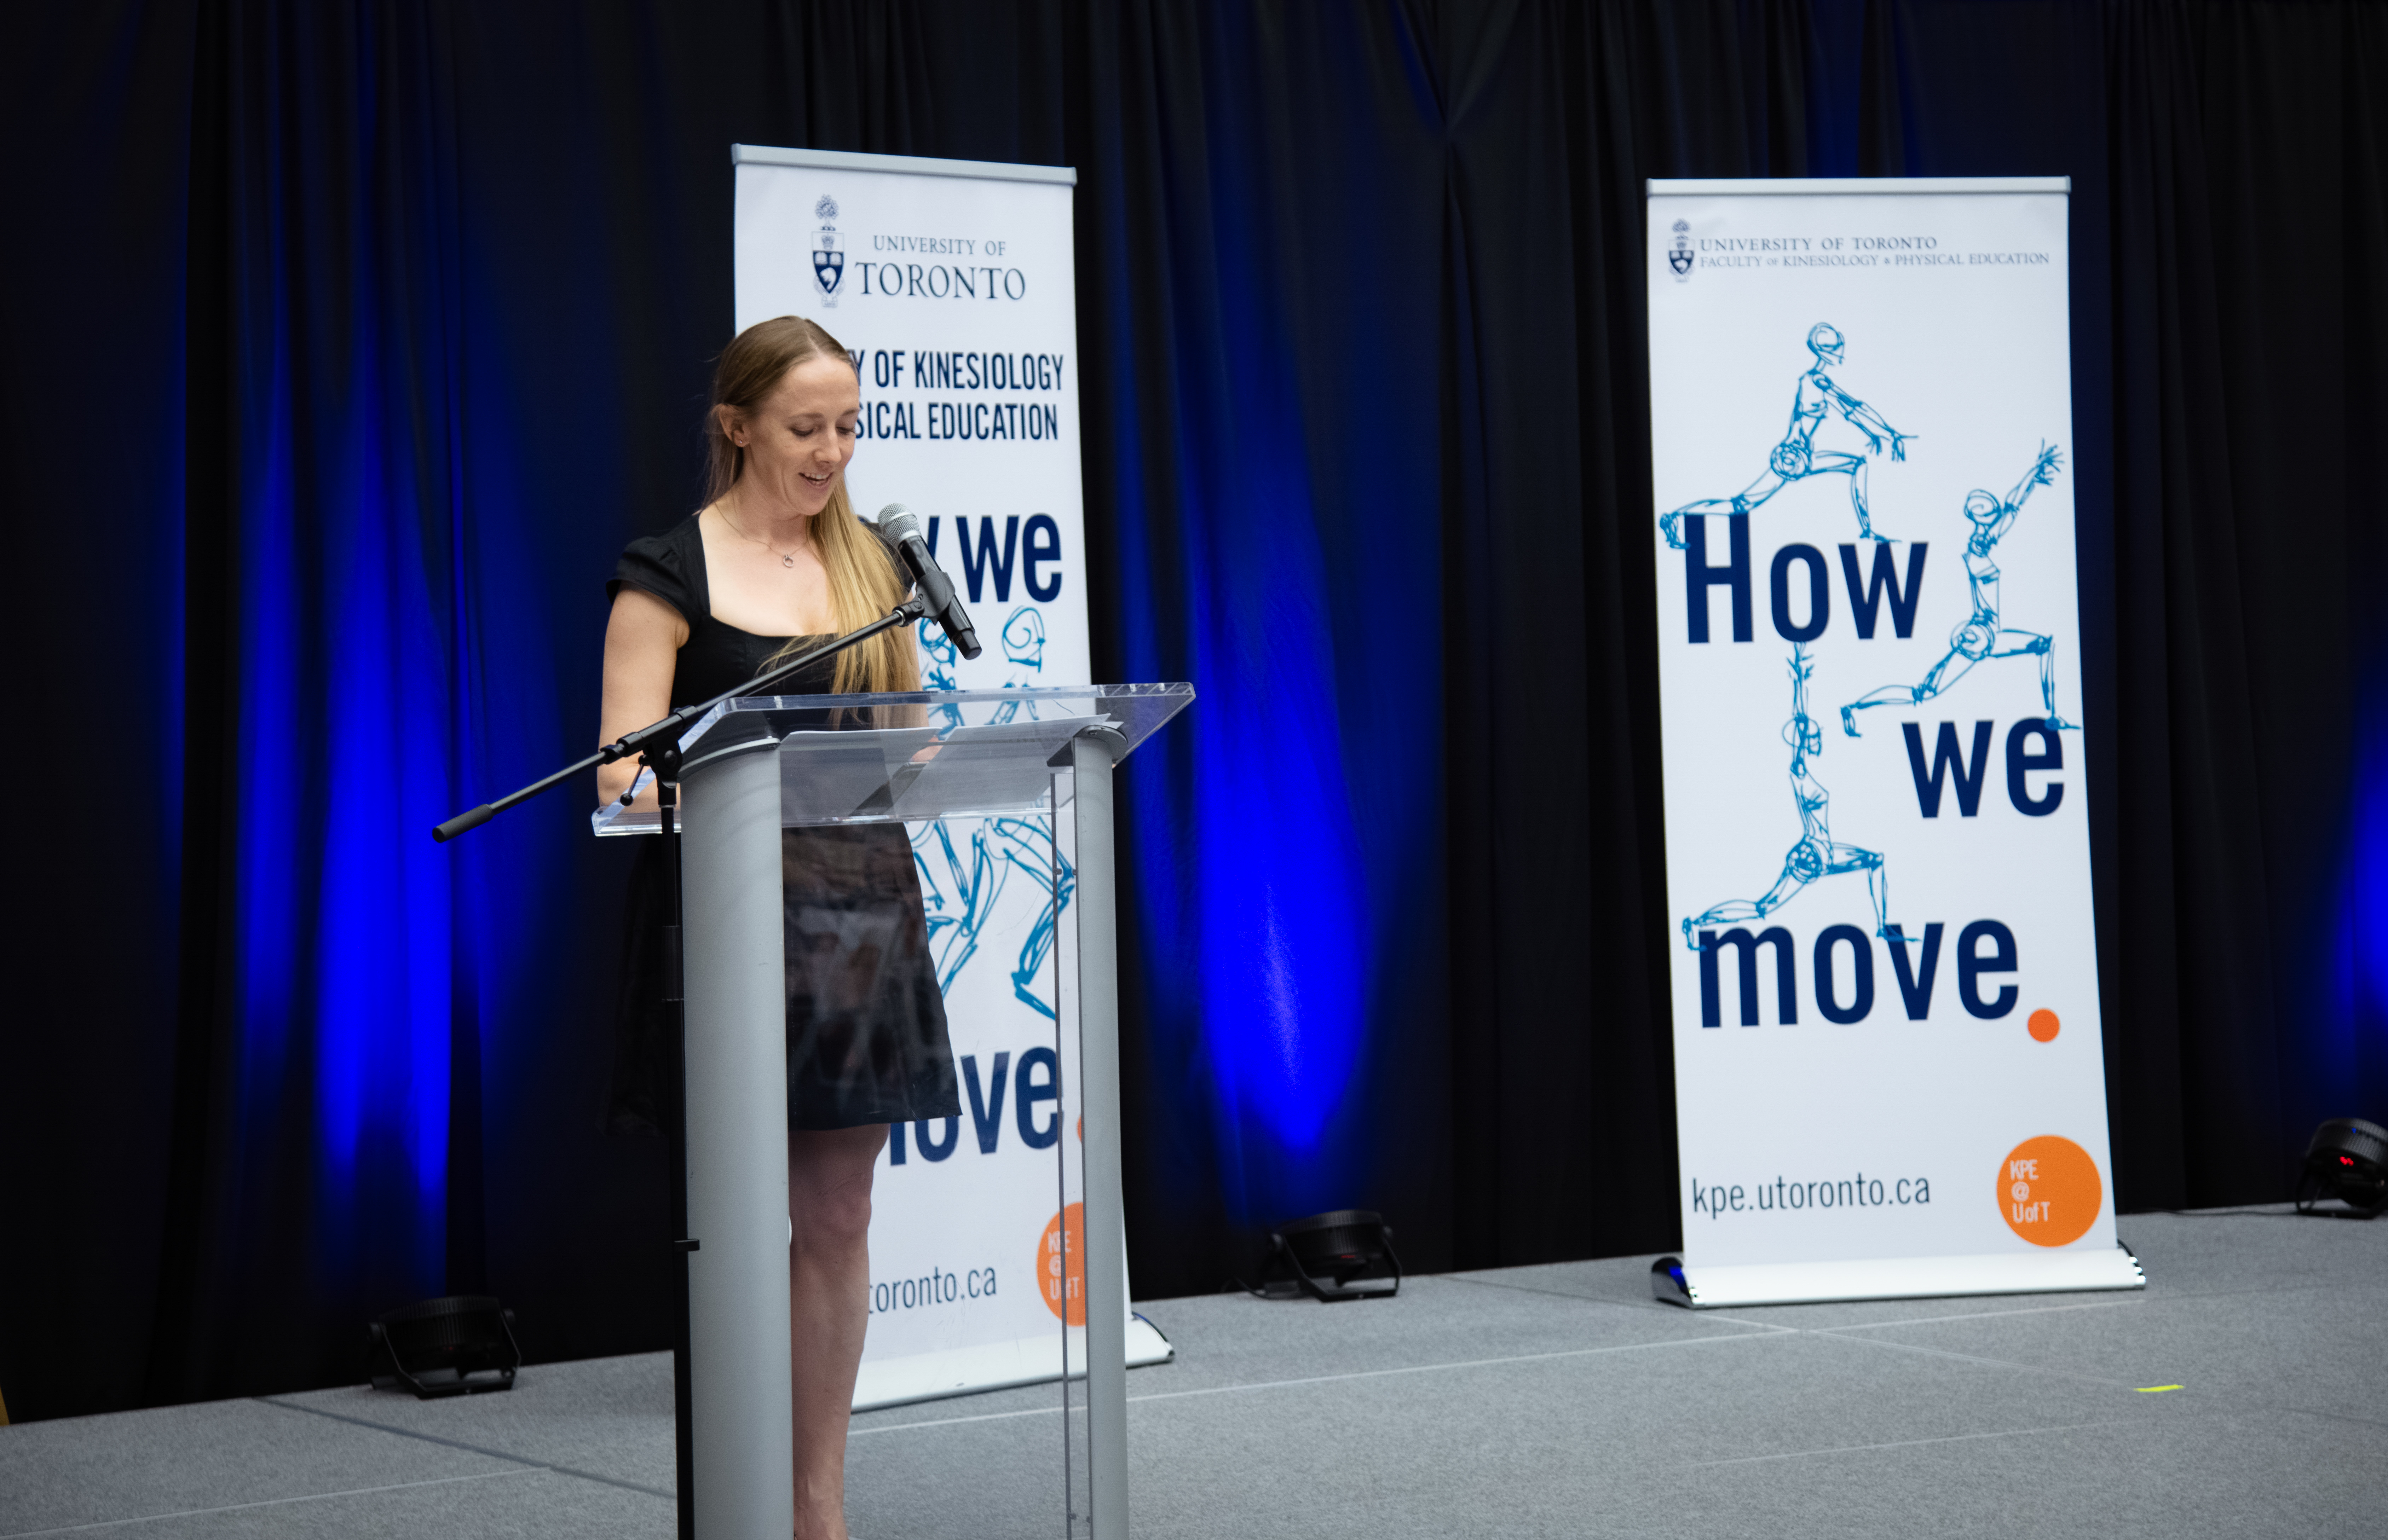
738	1149
1106	1231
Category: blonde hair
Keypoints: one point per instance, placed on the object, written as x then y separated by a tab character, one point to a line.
863	585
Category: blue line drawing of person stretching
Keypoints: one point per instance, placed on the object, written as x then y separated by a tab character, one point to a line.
1797	457
1024	649
958	908
938	660
1028	849
1979	635
1815	855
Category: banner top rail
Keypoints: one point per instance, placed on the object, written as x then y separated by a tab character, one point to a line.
1879	186
911	165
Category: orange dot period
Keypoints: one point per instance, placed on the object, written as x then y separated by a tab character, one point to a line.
2049	1191
2042	1026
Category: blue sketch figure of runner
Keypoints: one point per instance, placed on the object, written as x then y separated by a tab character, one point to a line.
1027	847
953	895
1024	649
1796	457
959	906
1816	855
937	661
1979	635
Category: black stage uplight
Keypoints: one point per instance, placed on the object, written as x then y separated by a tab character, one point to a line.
2347	1159
462	1344
1331	1257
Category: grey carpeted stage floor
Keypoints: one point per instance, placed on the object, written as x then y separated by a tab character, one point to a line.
1535	1401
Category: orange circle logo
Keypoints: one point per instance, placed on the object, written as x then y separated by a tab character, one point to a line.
2042	1026
1062	1265
2049	1191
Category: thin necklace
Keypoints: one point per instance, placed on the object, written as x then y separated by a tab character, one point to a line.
787	559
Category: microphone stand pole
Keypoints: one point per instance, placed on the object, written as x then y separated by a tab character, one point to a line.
657	746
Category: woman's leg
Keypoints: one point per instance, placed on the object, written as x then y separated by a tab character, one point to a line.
829	1286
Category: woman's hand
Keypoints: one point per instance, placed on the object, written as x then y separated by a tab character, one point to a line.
643	641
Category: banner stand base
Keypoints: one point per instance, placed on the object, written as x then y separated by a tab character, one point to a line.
1705	1288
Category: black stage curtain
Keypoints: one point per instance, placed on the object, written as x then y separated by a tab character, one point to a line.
344	344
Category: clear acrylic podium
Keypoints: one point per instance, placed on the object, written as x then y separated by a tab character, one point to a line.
1005	794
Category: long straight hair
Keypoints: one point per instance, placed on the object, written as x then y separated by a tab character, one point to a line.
862	582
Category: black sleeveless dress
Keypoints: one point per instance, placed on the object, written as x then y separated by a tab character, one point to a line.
866	1023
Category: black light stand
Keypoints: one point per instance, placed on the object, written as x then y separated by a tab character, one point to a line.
657	746
1326	1252
2347	1159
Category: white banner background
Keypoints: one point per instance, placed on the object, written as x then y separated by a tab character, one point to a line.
954	286
1924	1130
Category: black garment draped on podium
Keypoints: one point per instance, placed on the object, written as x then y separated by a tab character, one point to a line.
657	746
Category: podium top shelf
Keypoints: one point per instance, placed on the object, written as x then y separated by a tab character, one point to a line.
915	756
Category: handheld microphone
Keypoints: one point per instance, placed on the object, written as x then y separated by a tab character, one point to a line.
900	524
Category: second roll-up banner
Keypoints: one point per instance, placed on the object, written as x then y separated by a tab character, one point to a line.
953	285
1888	1072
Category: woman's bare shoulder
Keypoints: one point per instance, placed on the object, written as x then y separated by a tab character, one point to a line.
637	612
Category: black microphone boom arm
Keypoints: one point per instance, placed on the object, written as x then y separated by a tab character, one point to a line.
668	731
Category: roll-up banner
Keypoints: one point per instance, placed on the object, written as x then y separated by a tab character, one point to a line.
953	285
1888	1076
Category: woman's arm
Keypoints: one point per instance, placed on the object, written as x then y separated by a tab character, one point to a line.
642	642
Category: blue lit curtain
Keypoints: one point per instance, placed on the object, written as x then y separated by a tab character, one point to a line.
264	989
330	1073
1270	442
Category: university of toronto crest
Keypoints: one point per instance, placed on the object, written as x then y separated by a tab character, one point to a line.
1681	257
829	260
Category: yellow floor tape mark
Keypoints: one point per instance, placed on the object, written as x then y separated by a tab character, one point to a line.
2152	1390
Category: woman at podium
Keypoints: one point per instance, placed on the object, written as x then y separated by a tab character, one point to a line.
775	562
